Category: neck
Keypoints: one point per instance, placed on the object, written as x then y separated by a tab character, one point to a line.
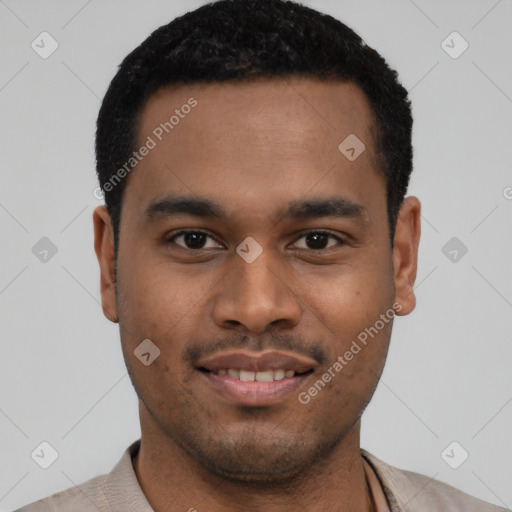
173	481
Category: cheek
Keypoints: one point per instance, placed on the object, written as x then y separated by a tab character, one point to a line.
154	297
350	297
162	305
347	309
352	371
154	307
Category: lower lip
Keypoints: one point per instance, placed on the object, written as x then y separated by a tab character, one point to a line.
254	393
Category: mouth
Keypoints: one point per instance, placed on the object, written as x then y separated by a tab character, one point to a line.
254	379
260	376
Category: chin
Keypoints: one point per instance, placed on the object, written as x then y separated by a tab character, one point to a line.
248	463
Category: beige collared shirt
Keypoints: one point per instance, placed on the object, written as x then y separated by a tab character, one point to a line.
377	492
393	490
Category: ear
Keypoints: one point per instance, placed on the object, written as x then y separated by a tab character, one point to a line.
405	254
104	248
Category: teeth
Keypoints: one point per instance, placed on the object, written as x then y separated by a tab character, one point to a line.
248	376
234	374
278	374
245	375
267	376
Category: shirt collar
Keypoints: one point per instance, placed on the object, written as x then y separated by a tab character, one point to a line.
377	493
122	489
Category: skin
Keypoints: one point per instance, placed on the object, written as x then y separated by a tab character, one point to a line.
253	147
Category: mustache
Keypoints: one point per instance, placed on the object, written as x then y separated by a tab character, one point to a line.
281	341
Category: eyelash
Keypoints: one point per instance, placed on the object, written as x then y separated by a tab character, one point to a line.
170	240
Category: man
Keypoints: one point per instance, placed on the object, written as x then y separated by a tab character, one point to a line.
255	247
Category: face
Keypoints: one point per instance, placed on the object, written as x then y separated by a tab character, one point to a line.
251	247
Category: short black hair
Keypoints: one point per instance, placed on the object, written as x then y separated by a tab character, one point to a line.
243	40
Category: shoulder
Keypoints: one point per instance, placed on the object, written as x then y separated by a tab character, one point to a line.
89	496
413	492
118	489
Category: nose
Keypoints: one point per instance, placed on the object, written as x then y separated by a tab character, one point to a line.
255	296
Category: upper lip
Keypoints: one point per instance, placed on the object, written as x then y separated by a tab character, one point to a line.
258	361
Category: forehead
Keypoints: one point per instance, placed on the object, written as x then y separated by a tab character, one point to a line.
293	106
256	141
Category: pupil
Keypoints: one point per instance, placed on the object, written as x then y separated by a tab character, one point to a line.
313	239
194	240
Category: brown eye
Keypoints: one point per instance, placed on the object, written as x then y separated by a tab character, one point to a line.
192	240
317	240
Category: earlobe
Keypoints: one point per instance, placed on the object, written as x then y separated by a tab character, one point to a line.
104	248
405	254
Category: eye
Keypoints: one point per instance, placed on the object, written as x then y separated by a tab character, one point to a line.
192	240
197	240
318	240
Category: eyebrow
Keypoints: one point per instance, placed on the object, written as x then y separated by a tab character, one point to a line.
336	207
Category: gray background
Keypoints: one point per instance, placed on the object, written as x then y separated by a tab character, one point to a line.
447	378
